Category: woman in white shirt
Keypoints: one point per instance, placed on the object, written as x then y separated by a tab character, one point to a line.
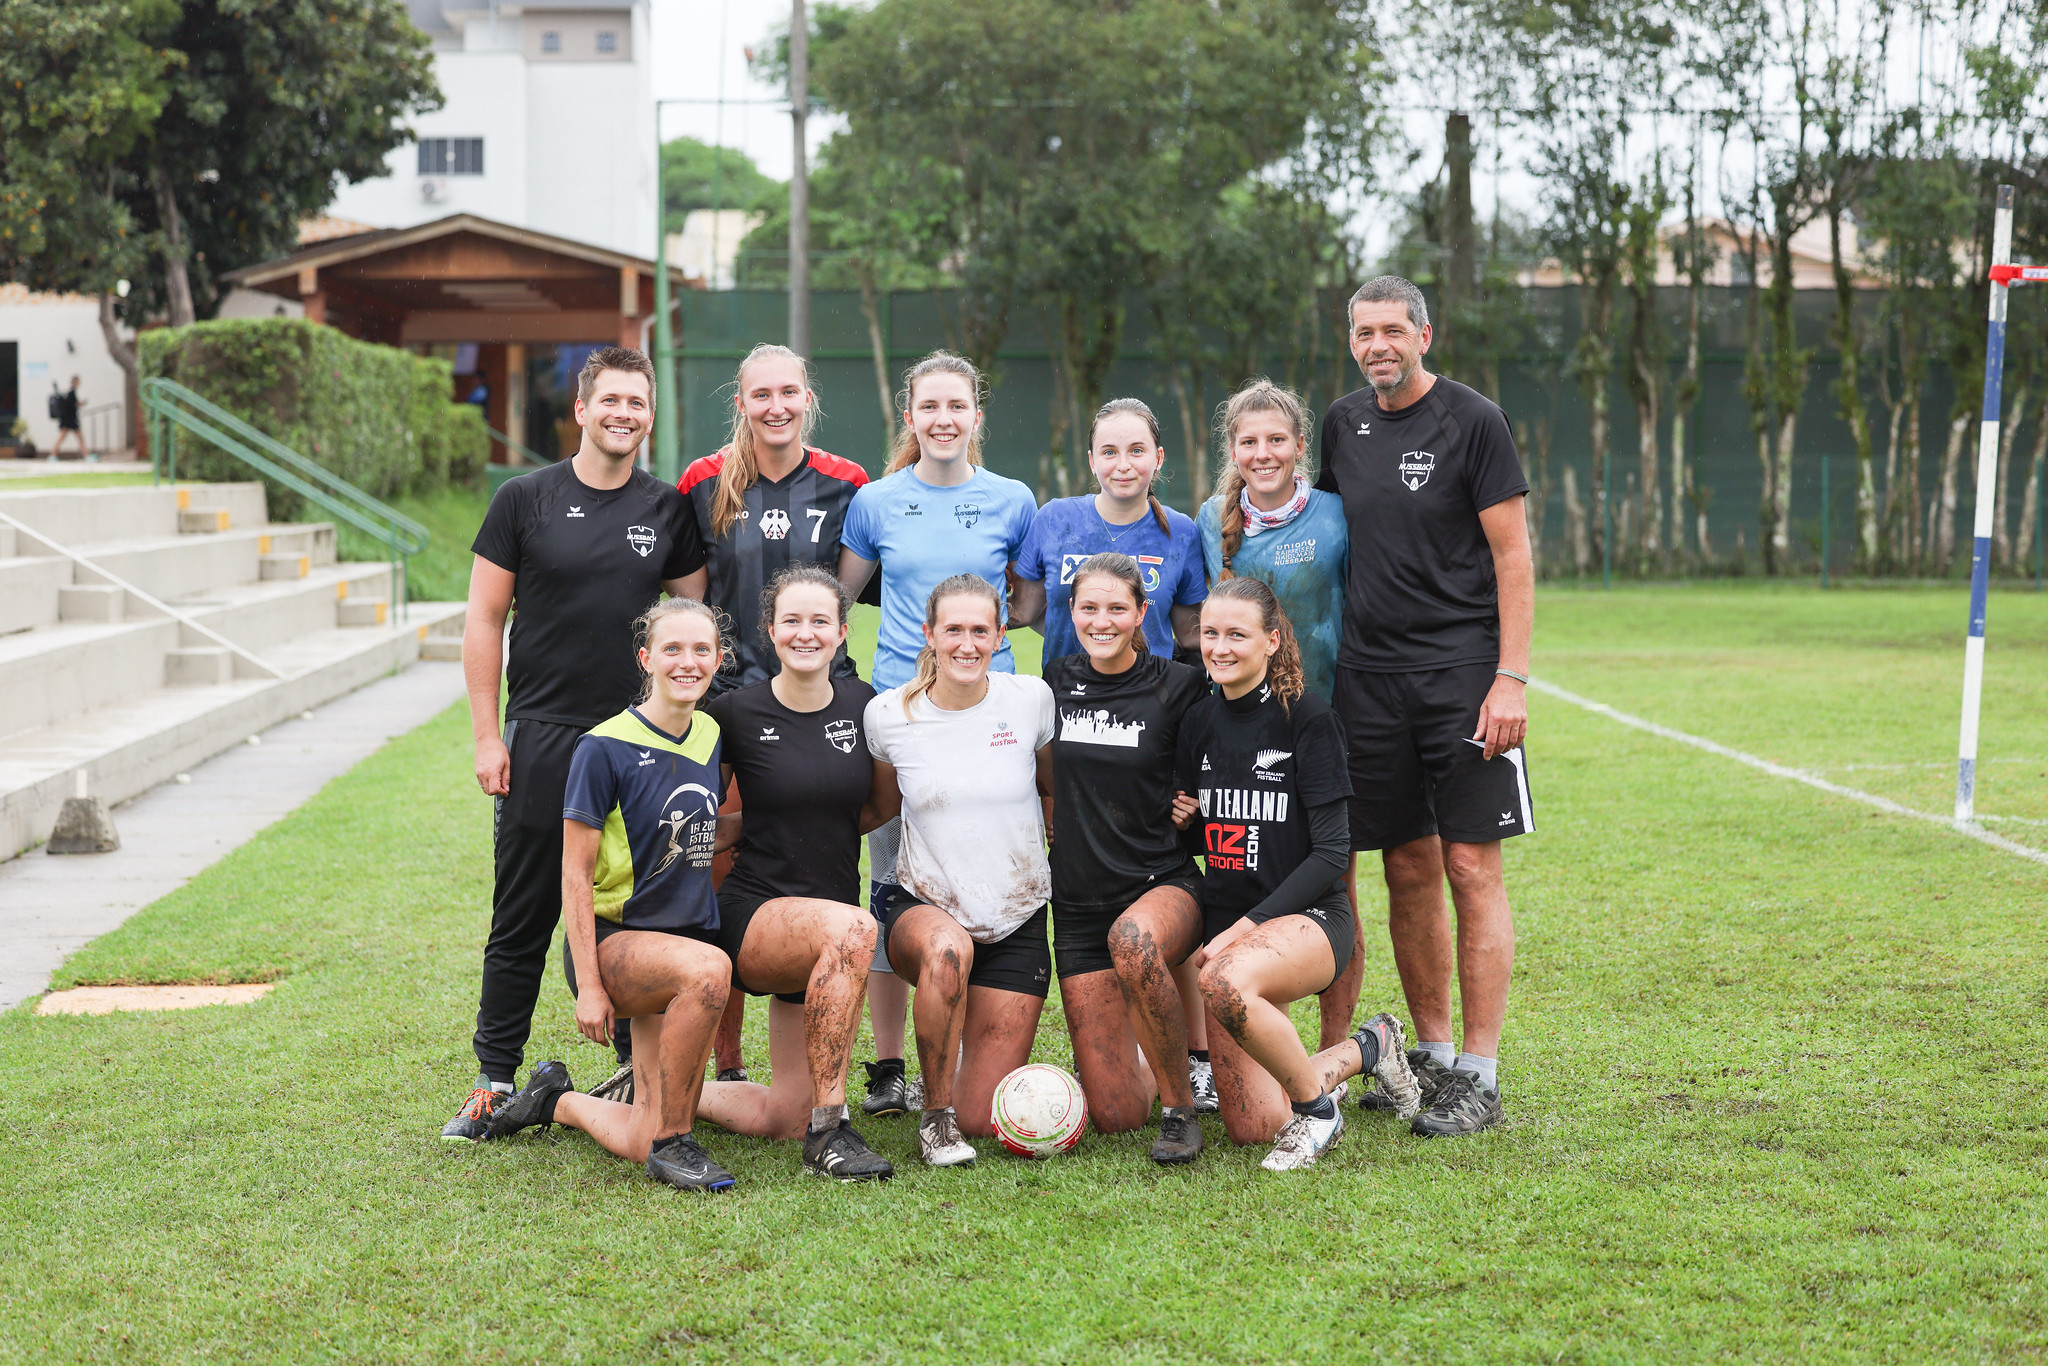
969	751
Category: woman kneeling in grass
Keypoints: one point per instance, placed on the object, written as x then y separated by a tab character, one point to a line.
639	825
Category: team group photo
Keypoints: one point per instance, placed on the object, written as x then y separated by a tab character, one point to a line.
1032	682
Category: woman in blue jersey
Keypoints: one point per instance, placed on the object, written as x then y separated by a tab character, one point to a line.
639	828
936	512
1266	522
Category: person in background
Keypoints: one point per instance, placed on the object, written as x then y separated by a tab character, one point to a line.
67	407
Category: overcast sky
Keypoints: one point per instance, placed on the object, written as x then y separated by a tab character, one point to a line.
698	42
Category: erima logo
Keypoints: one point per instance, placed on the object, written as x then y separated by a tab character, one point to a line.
1080	688
768	733
841	735
646	758
1507	818
575	512
1205	763
641	538
775	524
1364	428
1262	767
1415	469
1265	692
911	510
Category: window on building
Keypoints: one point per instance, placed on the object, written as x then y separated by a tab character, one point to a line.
451	156
551	41
607	42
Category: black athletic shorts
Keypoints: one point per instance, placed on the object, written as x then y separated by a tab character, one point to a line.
1020	962
1332	915
1080	929
607	928
1414	769
735	913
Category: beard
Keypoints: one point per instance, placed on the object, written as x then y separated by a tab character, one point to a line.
1401	378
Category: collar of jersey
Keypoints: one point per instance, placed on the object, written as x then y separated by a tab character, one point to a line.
1249	703
635	729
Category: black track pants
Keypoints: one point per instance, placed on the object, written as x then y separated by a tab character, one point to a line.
526	903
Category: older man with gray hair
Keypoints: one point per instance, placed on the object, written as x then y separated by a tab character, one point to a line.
1431	673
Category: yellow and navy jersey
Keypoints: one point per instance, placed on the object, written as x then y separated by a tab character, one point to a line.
655	797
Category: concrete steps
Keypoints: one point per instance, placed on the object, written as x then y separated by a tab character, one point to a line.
96	680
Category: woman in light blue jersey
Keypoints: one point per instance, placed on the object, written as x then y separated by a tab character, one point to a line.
936	512
1266	522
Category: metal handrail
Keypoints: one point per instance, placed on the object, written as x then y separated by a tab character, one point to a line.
533	457
170	406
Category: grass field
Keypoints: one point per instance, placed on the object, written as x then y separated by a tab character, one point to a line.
1774	1075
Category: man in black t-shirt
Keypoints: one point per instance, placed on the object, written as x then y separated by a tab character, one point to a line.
1438	608
581	548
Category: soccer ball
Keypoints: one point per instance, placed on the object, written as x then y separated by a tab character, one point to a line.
1040	1111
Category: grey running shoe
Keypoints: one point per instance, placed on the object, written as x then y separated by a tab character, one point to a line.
888	1094
472	1123
1202	1079
1429	1079
1180	1138
618	1086
678	1161
1302	1140
1461	1106
939	1140
535	1103
843	1155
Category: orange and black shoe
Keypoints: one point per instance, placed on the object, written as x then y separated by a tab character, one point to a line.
472	1123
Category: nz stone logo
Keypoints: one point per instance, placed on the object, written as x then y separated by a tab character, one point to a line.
1416	467
641	538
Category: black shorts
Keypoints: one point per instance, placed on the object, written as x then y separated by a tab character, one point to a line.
1414	770
735	913
1331	914
1019	962
607	928
1080	929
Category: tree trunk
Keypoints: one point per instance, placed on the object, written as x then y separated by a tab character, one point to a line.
1455	295
1649	487
1534	439
878	348
1916	545
1594	363
177	280
2001	527
1190	433
1781	515
1849	393
123	352
1788	382
1943	538
2029	527
1687	391
1575	525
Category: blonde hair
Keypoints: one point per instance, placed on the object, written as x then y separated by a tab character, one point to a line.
1284	669
1258	395
740	470
937	363
960	585
1118	407
662	610
1124	570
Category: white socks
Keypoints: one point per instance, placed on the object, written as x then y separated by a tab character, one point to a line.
1487	1068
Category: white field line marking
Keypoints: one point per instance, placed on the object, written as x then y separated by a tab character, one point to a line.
1797	775
1895	768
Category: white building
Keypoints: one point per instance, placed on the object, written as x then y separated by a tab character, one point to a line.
548	124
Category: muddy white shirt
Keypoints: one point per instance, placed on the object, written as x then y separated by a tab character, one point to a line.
973	831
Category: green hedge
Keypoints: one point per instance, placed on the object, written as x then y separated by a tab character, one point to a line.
379	417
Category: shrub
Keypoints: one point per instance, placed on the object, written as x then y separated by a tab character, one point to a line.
376	416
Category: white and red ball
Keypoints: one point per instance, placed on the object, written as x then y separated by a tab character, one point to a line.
1040	1111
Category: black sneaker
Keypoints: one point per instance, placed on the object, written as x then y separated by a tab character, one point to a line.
618	1086
731	1074
843	1155
679	1162
1461	1106
888	1094
533	1105
1429	1076
472	1122
1180	1138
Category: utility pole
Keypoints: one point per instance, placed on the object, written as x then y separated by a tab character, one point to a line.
1459	275
799	183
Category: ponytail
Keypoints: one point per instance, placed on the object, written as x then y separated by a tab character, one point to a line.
937	363
1284	670
740	469
969	585
1257	395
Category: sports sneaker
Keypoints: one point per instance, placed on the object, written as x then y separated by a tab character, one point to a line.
843	1155
731	1074
679	1162
1461	1106
1180	1138
1396	1078
1202	1080
887	1092
618	1086
535	1104
913	1094
939	1142
1302	1140
1429	1079
472	1122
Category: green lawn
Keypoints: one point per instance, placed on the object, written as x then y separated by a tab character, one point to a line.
1774	1073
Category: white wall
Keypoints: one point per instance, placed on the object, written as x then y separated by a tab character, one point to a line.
59	336
568	145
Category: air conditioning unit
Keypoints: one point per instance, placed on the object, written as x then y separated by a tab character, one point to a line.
434	189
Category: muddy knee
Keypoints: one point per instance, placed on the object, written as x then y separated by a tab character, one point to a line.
1224	994
1134	952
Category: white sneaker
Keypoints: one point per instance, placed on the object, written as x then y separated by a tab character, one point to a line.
1302	1141
1202	1081
939	1141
